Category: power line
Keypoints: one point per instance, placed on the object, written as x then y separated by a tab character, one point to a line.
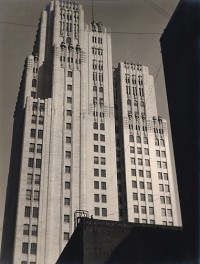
157	9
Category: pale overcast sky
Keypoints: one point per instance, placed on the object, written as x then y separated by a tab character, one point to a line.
136	25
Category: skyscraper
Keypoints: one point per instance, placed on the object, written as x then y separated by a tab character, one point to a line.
73	141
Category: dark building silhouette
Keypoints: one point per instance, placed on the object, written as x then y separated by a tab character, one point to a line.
99	241
180	44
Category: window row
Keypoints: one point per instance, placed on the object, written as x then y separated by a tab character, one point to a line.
97	172
66	218
160	153
34	230
95	77
166	212
162	176
139	150
98	184
102	126
144	221
67	185
66	201
97	51
97	211
95	39
98	198
99	137
134	90
26	246
140	162
25	262
162	164
32	148
164	199
36	106
99	148
95	89
33	133
38	163
164	187
35	194
138	139
30	178
142	197
143	209
140	173
142	185
40	120
100	160
28	212
161	143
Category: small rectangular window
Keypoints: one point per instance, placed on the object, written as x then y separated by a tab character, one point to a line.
103	173
133	172
30	162
96	211
159	175
67	185
104	211
164	165
165	176
25	248
151	211
33	248
143	209
33	133
96	172
67	169
36	195
38	163
96	185
68	154
96	160
132	150
96	198
29	178
103	185
142	197
147	162
149	186
96	148
103	161
66	218
40	133
41	120
134	184
68	126
66	201
163	154
69	87
34	119
168	200
139	151
39	148
141	173
34	230
27	211
141	185
150	197
148	174
28	194
158	164
136	209
26	230
103	198
135	196
96	137
68	139
132	161
140	162
102	149
69	100
161	188
162	199
66	236
157	153
69	112
102	137
37	179
163	211
146	151
166	188
35	212
69	74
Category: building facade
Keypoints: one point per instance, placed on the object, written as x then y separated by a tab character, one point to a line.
71	133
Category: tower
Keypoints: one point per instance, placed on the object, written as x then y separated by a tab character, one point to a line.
69	148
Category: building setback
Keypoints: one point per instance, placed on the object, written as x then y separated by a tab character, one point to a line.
82	143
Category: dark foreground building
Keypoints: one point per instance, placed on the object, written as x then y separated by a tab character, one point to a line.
180	45
98	241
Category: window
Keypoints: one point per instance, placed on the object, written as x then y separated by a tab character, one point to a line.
140	162
162	143
168	200
41	120
96	198
142	197
96	148
69	74
35	212
151	210
143	209
102	126
167	188
40	133
103	185
148	174
33	248
147	162
150	197
134	184
136	220
33	94
163	154
102	137
67	169
69	100
162	199
161	188
68	126
164	165
102	149
66	218
69	112
66	201
35	105
28	194
34	119
25	248
141	173
156	142
131	138
157	153
95	136
165	176
96	211
132	161
69	87
29	178
138	139
141	185
36	195
163	211
149	186
144	221
132	149
68	139
135	196
145	140
96	160
104	211
24	262
38	163
34	82
104	198
96	185
33	133
34	230
66	236
95	125
39	148
37	179
103	173
67	185
158	164
27	211
133	172
96	172
103	161
26	230
68	154
146	151
139	151
135	209
152	222
159	175
164	222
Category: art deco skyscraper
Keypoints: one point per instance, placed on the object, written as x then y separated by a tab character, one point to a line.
66	145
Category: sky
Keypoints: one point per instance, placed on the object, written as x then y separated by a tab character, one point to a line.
136	27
